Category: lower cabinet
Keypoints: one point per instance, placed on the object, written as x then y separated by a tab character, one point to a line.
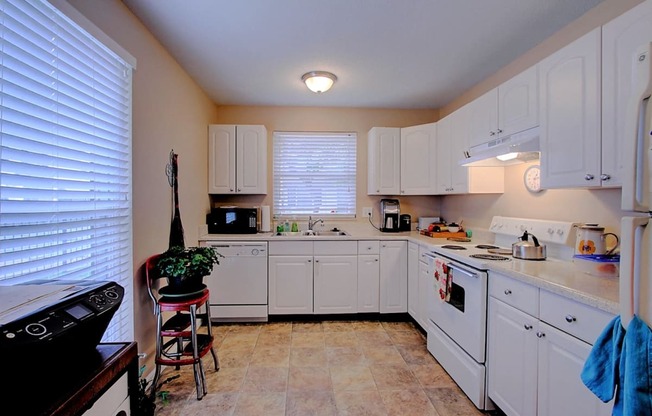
393	277
533	368
336	284
290	284
368	276
413	280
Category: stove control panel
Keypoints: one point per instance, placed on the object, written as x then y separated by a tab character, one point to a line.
547	231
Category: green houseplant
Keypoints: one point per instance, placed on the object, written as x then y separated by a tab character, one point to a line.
185	268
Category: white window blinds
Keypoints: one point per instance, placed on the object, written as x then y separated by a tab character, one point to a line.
314	173
65	155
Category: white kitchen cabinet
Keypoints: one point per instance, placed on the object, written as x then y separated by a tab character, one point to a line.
368	283
569	114
384	161
533	367
418	170
290	285
413	280
621	38
336	284
510	108
452	139
393	276
426	291
237	159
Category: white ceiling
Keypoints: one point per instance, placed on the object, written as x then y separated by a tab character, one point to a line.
386	53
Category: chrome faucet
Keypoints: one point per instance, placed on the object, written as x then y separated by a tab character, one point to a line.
312	223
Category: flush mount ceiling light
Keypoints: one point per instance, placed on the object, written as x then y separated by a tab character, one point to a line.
319	81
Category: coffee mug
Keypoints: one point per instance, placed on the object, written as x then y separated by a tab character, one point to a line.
590	239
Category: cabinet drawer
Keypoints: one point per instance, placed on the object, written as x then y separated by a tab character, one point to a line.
368	247
336	248
290	248
582	321
517	294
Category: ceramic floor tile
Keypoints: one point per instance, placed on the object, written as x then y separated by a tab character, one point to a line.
407	402
307	339
236	340
398	326
366	326
360	403
215	404
406	337
337	326
387	355
451	401
374	339
309	378
270	357
397	377
307	327
308	357
314	403
228	379
263	404
235	357
274	339
277	327
265	380
415	354
352	378
246	329
341	339
342	356
432	375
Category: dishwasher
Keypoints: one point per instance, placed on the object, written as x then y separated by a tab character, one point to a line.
238	285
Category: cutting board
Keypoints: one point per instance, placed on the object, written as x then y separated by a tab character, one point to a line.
443	234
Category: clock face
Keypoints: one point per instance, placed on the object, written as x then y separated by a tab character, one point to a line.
532	179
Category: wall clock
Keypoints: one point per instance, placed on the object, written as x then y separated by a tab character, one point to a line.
532	178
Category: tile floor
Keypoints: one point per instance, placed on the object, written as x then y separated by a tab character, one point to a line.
318	368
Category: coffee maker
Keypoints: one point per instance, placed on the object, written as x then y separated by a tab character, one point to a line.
390	212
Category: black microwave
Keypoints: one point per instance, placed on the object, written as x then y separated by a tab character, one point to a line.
232	220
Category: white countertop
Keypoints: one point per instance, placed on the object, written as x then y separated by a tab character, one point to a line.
555	276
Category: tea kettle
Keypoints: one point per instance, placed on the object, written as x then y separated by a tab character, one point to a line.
528	250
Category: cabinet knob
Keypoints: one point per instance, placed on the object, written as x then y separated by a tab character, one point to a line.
316	261
570	319
239	190
375	259
589	177
231	189
605	177
499	131
527	327
492	133
402	191
508	292
378	190
540	334
309	261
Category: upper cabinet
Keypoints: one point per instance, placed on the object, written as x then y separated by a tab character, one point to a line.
237	159
621	39
384	161
418	172
569	115
508	109
401	160
452	141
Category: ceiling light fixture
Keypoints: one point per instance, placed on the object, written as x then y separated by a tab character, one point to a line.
319	81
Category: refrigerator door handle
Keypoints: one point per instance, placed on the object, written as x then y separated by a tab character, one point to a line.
630	265
635	191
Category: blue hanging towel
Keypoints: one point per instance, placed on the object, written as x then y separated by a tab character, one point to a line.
601	372
635	392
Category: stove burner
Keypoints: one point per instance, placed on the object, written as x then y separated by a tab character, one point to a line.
486	246
489	257
453	247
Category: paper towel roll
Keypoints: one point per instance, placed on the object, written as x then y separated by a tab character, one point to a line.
265	225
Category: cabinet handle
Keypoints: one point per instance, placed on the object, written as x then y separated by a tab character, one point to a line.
570	319
605	177
492	133
589	177
540	334
499	131
508	292
527	327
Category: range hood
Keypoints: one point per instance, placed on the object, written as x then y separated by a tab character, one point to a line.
510	150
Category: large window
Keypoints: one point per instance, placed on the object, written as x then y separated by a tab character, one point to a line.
314	174
65	155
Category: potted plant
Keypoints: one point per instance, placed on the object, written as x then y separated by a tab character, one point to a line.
185	268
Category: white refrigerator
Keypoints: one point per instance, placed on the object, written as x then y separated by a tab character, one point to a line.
636	230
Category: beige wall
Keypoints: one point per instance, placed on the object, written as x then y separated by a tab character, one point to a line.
330	119
170	112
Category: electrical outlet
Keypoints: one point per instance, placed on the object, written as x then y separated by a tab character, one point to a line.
367	212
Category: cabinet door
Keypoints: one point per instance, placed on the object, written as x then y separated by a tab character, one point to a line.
621	38
483	118
443	154
418	170
561	391
569	114
393	276
384	161
512	359
221	159
336	284
368	283
518	103
459	144
290	284
413	280
426	294
251	162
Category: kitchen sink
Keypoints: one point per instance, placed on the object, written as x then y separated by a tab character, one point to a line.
323	233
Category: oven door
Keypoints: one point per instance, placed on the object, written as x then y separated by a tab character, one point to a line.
463	318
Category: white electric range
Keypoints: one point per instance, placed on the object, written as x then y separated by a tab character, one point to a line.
457	336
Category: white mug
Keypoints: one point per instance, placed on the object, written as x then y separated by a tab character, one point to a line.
591	239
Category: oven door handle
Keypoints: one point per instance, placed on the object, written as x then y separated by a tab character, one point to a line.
462	270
